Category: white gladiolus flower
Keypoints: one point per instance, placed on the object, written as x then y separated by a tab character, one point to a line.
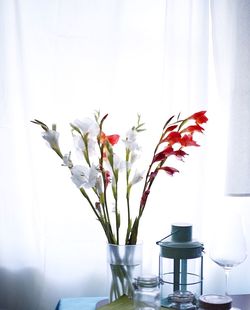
67	161
84	176
134	156
118	163
99	186
130	141
87	125
51	136
80	146
138	176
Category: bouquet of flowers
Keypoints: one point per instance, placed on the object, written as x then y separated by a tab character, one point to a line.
99	175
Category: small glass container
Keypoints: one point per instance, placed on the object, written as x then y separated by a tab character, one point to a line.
215	302
181	300
147	293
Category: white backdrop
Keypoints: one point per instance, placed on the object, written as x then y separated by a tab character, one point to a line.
63	59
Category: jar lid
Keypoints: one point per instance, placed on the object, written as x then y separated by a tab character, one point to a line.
147	281
217	302
181	297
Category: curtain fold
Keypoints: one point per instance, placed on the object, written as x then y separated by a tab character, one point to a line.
62	60
231	33
230	45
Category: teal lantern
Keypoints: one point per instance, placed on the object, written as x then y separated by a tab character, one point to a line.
180	264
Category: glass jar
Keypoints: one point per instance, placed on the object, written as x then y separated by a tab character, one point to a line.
181	300
147	293
215	302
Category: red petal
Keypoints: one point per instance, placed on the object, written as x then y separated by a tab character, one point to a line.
113	139
180	153
187	140
107	178
171	128
199	117
164	154
173	137
192	129
169	170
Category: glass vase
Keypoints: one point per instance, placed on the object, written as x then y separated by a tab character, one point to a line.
124	264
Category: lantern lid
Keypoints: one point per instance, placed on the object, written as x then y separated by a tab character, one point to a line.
181	244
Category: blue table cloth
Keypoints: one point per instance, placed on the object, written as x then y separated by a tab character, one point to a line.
81	303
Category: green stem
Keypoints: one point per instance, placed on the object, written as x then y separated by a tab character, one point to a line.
117	220
128	196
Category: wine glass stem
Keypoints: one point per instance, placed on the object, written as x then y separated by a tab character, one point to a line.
226	281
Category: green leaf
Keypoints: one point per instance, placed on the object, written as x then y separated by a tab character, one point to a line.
102	120
37	122
182	124
75	128
123	303
134	232
168	121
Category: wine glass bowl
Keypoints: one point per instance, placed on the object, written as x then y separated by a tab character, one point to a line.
228	245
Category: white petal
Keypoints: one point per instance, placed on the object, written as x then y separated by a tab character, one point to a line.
118	163
99	186
67	161
78	175
87	125
138	176
51	136
92	177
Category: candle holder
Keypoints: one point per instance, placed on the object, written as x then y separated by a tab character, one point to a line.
180	264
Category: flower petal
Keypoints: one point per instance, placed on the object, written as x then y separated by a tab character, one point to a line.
199	117
87	125
193	128
169	170
113	139
84	176
187	140
164	154
180	154
51	136
172	138
138	176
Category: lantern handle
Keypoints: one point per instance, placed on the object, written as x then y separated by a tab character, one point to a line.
158	242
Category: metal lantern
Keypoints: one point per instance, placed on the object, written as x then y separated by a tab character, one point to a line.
180	264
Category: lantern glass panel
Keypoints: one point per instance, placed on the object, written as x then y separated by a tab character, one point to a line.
180	275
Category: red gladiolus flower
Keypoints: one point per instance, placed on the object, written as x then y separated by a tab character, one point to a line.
173	137
193	128
164	154
107	178
187	140
169	170
199	117
112	139
180	154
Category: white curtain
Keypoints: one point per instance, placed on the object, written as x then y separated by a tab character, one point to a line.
61	60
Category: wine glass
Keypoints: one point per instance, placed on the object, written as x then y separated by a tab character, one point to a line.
228	245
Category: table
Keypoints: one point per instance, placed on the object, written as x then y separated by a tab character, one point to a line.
89	303
81	303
